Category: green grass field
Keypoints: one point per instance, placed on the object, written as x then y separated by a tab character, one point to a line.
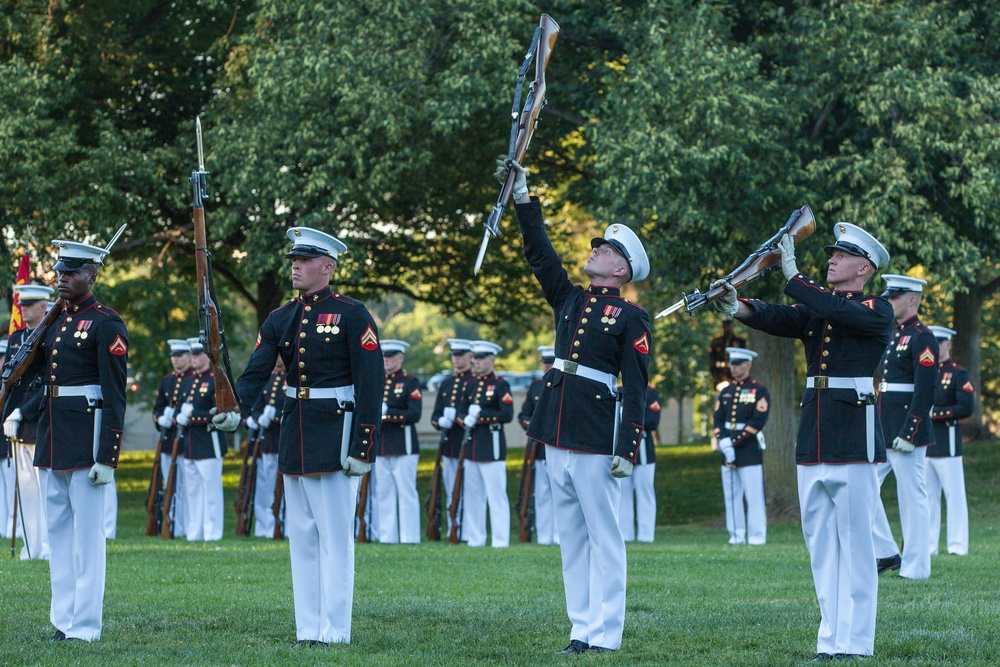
692	599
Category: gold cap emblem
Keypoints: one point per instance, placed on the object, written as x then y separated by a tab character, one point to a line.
298	233
614	229
843	230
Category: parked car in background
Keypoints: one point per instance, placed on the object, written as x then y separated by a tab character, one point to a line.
517	381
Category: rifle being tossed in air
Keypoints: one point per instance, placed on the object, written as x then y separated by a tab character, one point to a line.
522	120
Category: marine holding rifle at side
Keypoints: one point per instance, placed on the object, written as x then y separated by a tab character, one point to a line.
329	425
170	394
591	431
266	416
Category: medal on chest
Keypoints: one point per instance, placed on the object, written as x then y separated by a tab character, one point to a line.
328	323
398	389
945	380
81	329
748	396
611	314
203	389
903	343
490	390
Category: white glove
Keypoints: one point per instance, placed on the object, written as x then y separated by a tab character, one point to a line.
266	416
101	474
169	412
385	408
444	423
787	246
727	303
13	421
225	421
164	421
474	410
520	188
184	418
252	424
356	468
727	449
450	414
470	420
621	467
903	445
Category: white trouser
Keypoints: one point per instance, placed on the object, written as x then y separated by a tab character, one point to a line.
111	510
74	510
485	487
449	467
7	472
319	520
263	495
914	513
398	488
837	503
177	504
638	504
593	550
946	474
31	515
749	525
545	518
203	503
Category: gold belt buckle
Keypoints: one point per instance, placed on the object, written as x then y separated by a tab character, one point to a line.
882	386
53	391
302	393
570	367
821	382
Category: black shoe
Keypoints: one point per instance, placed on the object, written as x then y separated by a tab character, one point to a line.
847	656
316	642
601	649
575	647
821	657
885	564
302	643
59	636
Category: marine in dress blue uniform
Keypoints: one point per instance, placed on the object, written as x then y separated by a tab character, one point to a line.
591	438
329	424
21	434
545	521
170	394
484	408
637	513
399	450
82	359
203	446
907	375
443	418
265	417
741	412
844	332
954	399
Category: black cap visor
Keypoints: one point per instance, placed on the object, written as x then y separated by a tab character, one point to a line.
299	250
71	264
850	249
618	246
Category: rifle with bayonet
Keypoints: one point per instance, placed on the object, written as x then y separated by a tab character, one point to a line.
434	503
766	258
154	497
522	120
18	364
167	526
248	481
454	513
526	501
213	336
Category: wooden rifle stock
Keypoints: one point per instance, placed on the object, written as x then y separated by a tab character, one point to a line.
433	531
523	121
279	496
213	337
18	363
454	535
154	498
167	527
526	511
248	485
767	257
362	525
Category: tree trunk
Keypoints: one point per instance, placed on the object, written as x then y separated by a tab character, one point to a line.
270	295
967	322
775	369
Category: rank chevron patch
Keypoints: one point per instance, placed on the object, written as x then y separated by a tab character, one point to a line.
642	343
967	387
926	357
118	347
369	340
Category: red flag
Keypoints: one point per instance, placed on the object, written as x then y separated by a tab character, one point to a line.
23	275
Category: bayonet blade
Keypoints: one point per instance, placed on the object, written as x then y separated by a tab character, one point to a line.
201	153
114	238
672	309
482	253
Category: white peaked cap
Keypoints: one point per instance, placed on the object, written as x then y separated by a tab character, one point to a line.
942	333
485	347
856	241
625	241
547	351
33	292
740	354
74	256
460	345
393	345
901	284
196	345
179	346
309	242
